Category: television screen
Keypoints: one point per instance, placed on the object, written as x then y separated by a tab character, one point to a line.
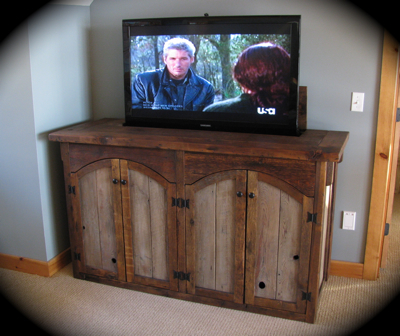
217	73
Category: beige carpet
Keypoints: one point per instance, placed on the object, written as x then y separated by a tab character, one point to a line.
62	305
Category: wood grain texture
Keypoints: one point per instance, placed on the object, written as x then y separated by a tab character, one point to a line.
215	238
227	242
315	145
278	244
386	127
299	174
99	221
149	227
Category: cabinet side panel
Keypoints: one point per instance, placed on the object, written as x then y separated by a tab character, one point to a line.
269	199
325	225
159	237
225	236
289	248
205	237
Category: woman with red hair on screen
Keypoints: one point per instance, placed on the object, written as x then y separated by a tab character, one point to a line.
263	73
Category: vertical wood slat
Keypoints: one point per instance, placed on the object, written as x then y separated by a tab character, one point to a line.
205	237
180	219
289	248
159	234
267	243
251	237
127	220
119	253
139	188
90	220
149	220
240	236
225	236
105	199
190	238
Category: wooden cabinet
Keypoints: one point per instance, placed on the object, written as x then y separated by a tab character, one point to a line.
235	220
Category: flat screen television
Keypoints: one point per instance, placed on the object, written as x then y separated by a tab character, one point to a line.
237	74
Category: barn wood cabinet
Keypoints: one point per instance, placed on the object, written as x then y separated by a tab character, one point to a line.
241	221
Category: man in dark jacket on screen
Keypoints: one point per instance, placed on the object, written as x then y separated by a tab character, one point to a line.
176	87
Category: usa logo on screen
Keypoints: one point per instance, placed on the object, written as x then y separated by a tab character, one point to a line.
263	110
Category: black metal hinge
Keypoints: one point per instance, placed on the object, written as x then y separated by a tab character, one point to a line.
398	115
71	189
77	256
180	203
306	296
182	276
311	217
387	225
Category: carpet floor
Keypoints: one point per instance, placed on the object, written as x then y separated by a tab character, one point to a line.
62	305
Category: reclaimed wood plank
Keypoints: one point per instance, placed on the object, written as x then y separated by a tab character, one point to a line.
240	235
159	236
304	147
90	220
251	237
268	202
205	237
105	213
225	236
142	250
289	248
299	174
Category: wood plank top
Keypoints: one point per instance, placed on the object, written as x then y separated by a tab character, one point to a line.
312	145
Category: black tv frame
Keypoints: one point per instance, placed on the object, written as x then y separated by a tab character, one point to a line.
235	122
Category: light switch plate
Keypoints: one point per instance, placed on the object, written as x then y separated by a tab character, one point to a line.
357	102
349	220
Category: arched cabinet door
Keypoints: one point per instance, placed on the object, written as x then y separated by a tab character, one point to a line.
96	200
278	242
149	226
215	235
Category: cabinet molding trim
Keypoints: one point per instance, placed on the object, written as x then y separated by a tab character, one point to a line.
33	266
347	269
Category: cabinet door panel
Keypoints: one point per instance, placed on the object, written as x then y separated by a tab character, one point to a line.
149	222
98	204
278	242
215	236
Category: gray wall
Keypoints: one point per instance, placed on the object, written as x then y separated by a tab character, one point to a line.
21	228
45	85
340	53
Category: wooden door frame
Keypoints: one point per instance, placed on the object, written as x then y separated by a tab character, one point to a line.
383	157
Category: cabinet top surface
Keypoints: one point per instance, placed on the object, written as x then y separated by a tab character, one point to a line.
312	145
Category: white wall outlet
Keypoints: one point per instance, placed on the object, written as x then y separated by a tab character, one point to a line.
357	102
349	220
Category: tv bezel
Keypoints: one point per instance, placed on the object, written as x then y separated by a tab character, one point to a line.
214	121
